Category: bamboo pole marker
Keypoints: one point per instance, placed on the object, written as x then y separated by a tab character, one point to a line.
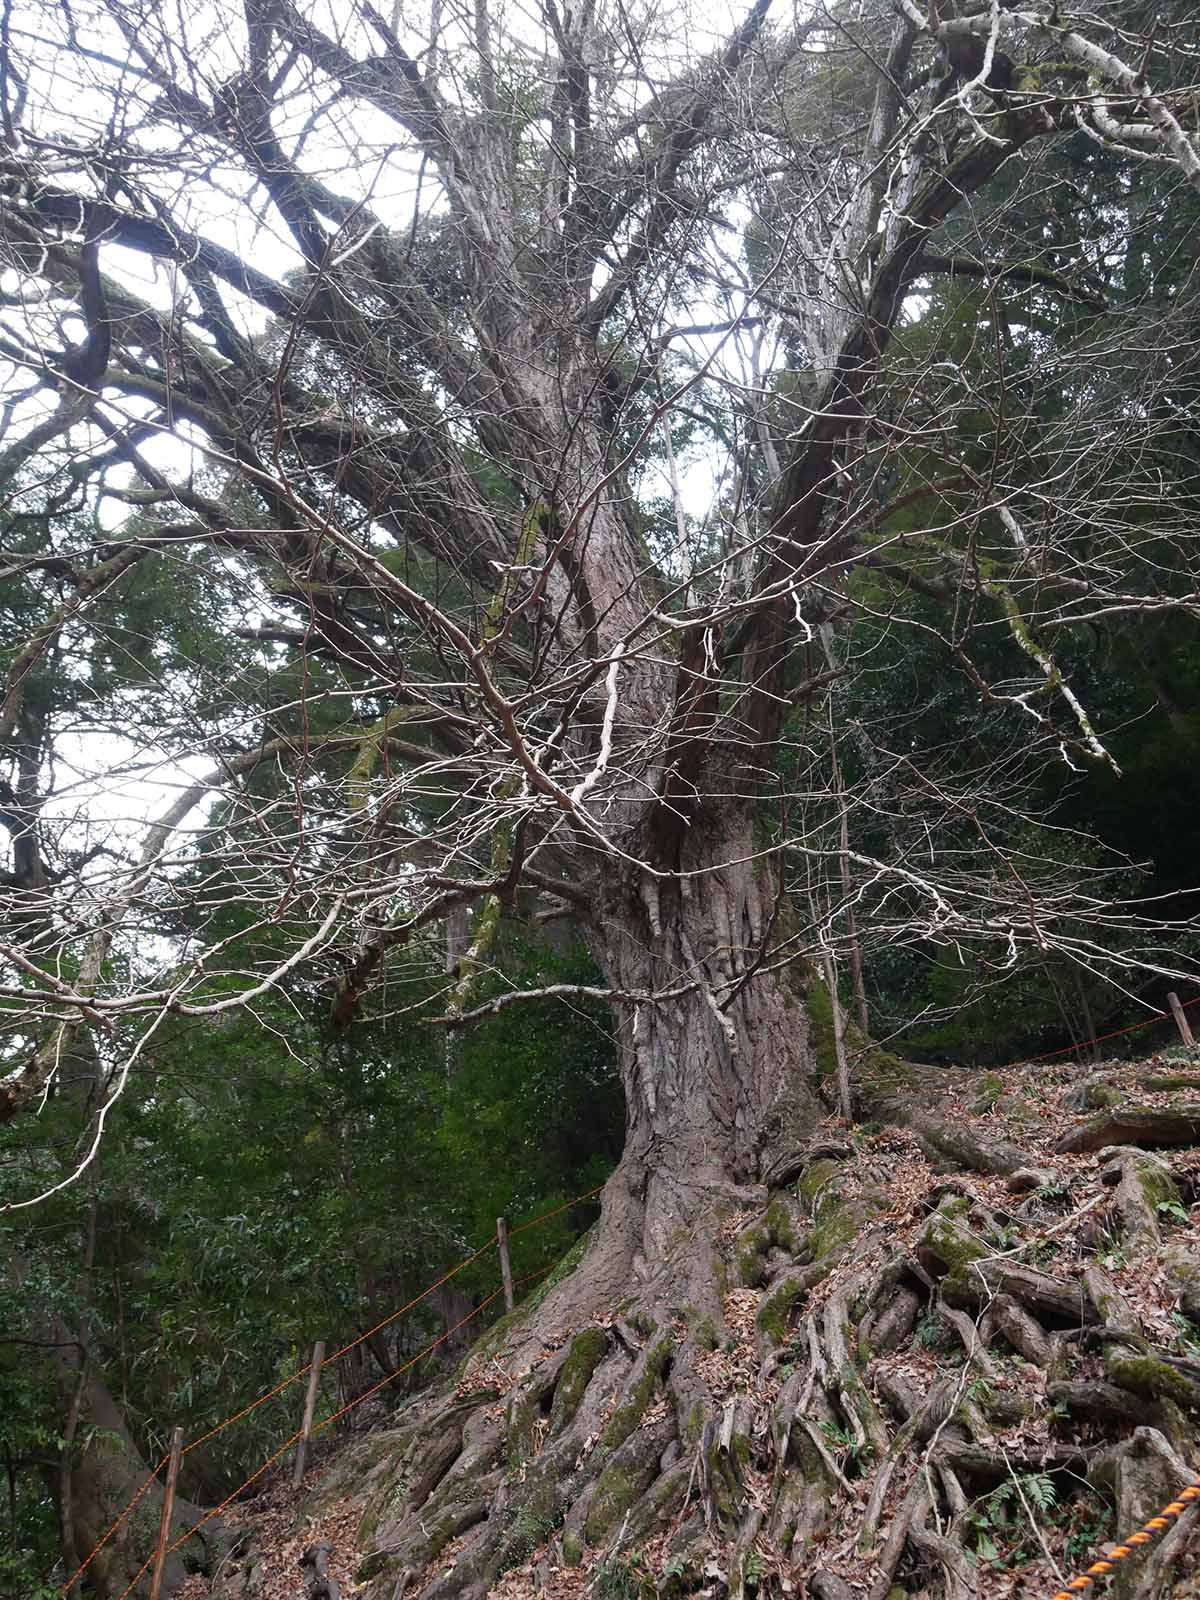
505	1264
1181	1022
168	1507
310	1405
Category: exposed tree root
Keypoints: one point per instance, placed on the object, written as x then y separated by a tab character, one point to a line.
902	1368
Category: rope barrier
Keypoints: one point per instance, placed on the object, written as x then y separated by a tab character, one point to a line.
325	1422
304	1370
557	1212
270	1395
1148	1532
1131	1027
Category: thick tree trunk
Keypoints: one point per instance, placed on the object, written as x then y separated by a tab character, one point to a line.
718	1075
718	1081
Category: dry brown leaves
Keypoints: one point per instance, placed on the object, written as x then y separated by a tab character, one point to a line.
533	1579
733	1365
732	1226
278	1539
740	1308
487	1375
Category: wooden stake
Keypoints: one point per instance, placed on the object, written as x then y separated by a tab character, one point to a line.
310	1405
1181	1022
505	1264
168	1507
845	1101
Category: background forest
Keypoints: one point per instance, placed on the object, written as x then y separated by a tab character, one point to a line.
275	1173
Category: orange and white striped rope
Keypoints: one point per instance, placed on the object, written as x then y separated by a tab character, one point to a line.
1146	1534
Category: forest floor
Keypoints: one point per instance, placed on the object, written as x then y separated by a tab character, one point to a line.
276	1527
1033	1357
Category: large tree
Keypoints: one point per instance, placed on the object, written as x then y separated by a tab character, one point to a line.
397	336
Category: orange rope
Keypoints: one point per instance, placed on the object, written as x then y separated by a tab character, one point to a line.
1131	1027
1145	1534
96	1549
263	1398
546	1215
302	1371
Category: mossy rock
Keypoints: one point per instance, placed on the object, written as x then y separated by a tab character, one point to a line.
776	1230
816	1179
839	1223
529	1530
781	1225
1148	1126
964	1147
1015	1109
884	1074
820	1027
659	1503
877	1072
946	1239
750	1254
1099	1095
1156	1182
836	1220
455	1512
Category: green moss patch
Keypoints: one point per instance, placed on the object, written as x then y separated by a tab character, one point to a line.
836	1217
820	1031
586	1353
775	1313
1156	1183
816	1179
531	1526
949	1240
628	1415
1148	1376
615	1493
774	1231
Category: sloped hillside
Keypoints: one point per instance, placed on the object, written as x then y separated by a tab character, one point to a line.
956	1352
